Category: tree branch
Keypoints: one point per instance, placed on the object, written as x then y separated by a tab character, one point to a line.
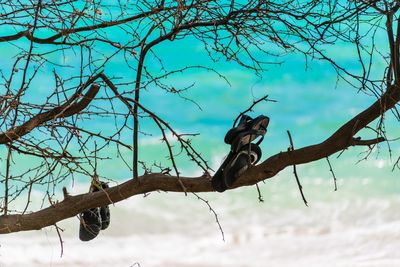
370	142
66	110
73	205
65	32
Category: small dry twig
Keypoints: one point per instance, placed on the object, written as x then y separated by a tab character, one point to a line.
333	174
291	148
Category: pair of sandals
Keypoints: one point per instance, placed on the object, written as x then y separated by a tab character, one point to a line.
96	219
243	152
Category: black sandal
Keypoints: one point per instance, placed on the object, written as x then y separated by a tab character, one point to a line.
95	219
90	224
105	215
247	130
247	156
243	153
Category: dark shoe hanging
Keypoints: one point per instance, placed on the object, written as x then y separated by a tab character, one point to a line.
95	219
104	211
90	224
243	153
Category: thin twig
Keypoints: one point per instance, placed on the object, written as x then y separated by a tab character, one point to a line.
291	148
60	239
7	179
29	197
214	212
255	102
260	198
333	174
171	154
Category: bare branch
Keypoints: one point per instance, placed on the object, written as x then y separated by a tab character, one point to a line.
333	174
370	142
66	110
290	149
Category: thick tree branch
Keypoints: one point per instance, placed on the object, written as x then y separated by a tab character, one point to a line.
73	205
